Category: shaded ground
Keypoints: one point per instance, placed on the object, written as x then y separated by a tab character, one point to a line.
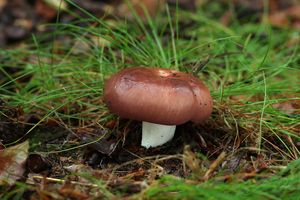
19	18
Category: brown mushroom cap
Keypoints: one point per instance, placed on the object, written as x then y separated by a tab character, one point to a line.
160	96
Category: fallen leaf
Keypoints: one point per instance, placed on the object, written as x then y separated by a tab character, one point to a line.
12	163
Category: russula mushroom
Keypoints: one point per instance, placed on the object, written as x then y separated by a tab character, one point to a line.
160	98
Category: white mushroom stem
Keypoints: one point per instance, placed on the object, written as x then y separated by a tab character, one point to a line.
154	135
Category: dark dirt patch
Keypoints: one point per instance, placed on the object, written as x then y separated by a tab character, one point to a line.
12	127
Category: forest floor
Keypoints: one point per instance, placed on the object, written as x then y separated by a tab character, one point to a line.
58	139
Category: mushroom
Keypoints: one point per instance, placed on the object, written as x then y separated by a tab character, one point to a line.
160	98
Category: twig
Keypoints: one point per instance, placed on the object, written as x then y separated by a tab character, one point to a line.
214	165
56	180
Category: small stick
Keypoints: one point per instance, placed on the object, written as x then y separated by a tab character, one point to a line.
56	180
214	165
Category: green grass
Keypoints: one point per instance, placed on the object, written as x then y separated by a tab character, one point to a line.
284	185
251	67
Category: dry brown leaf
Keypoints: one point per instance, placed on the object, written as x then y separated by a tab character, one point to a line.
12	163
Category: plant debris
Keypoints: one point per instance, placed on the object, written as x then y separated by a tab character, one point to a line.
12	163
